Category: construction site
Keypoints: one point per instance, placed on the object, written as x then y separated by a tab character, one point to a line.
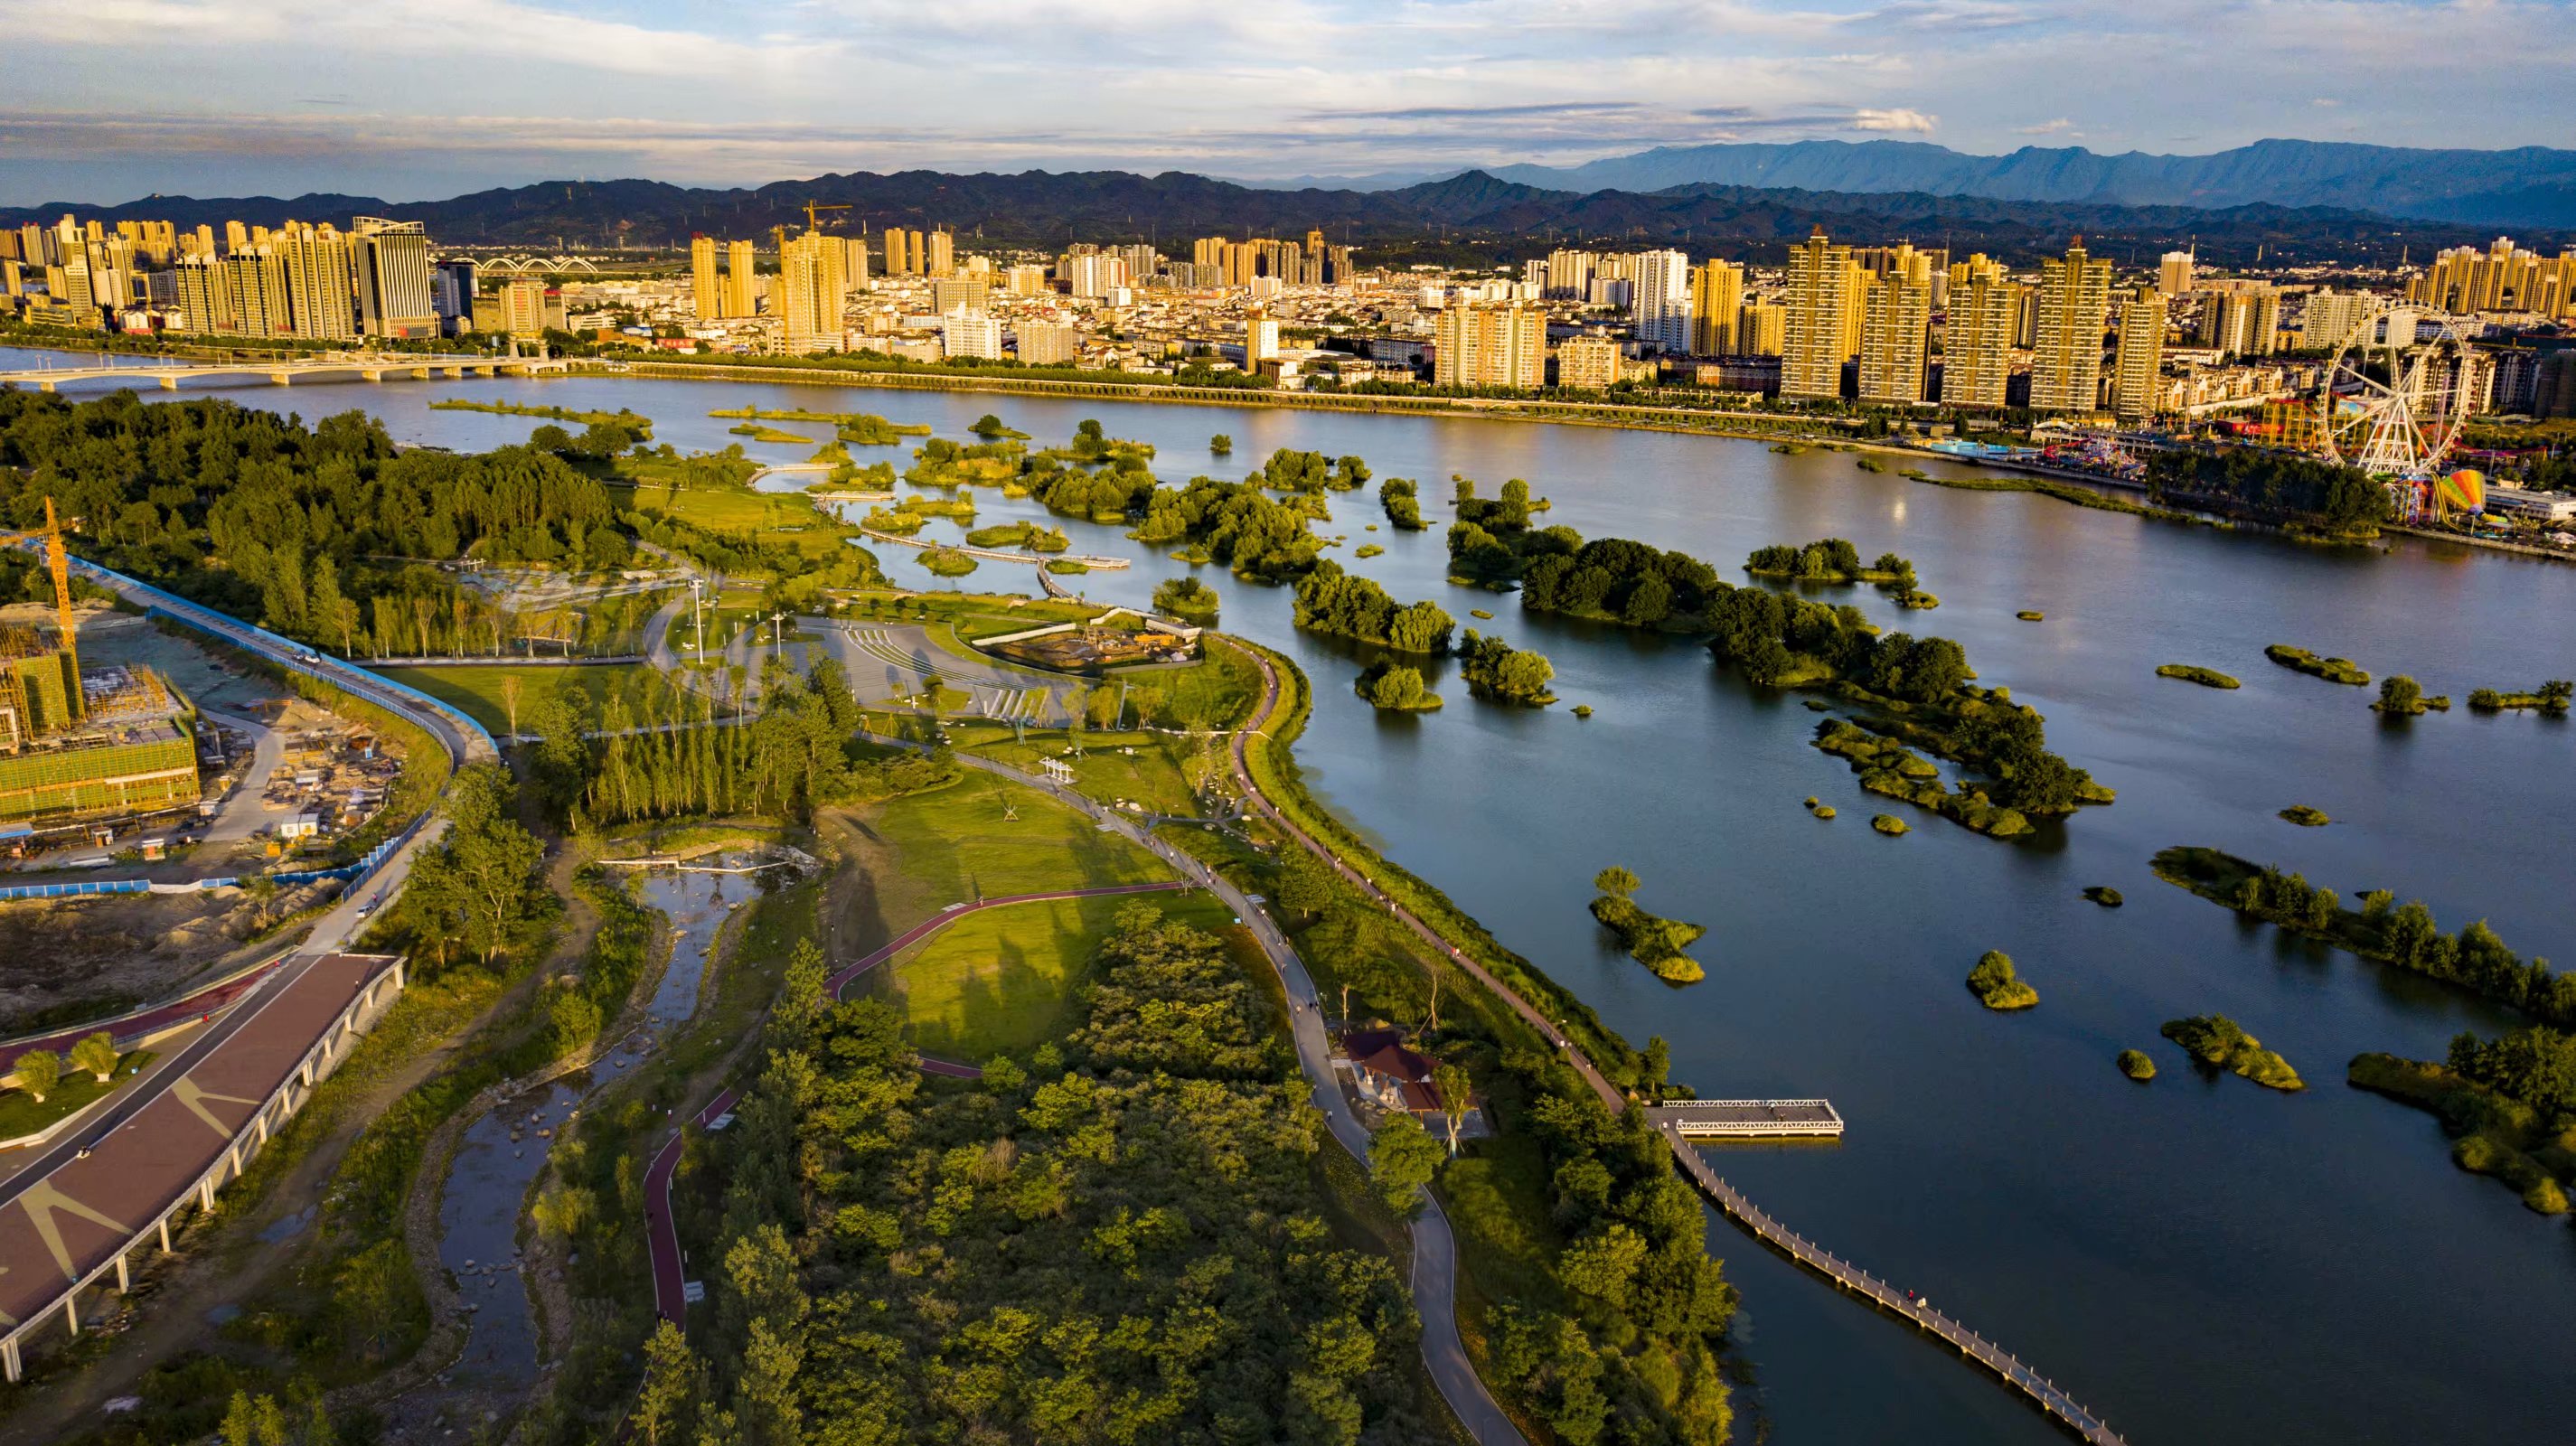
80	745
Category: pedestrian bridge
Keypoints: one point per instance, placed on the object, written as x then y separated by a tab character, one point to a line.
1750	1119
363	367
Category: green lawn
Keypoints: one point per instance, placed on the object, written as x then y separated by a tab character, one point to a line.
479	690
21	1115
1000	981
1106	772
958	843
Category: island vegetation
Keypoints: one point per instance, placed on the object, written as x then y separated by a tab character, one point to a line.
2104	895
1658	943
2306	816
1890	769
2031	615
2552	698
992	429
1368	550
2193	673
1889	824
1187	599
1395	688
1494	669
1997	985
2136	1065
2509	1105
1403	506
1221	444
1343	604
1834	560
947	562
2404	936
1291	470
2217	1041
2399	697
2333	670
638	427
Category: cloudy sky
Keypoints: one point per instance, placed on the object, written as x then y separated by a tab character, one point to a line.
105	100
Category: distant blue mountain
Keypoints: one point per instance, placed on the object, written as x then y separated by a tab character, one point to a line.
2529	186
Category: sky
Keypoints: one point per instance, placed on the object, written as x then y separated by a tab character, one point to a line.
107	100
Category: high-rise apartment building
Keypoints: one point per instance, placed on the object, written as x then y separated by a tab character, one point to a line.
1717	302
2139	360
1824	319
903	252
742	280
1491	346
2501	278
390	261
939	257
1662	303
317	281
1977	340
1569	273
810	293
1025	281
2074	309
205	300
1260	337
970	334
1761	329
2333	316
706	288
854	262
960	293
2173	273
1895	331
2242	320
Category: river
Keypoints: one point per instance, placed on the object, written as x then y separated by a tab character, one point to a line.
2195	1259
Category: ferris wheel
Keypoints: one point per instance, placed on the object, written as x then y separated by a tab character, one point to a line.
2392	404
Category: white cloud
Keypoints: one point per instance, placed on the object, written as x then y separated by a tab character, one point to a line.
1871	119
2046	128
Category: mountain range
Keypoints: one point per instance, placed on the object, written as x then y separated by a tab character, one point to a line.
2529	186
1492	213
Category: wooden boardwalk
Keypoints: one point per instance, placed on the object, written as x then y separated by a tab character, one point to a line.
2045	1392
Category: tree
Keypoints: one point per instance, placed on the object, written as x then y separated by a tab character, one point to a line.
1657	1066
1615	881
1221	444
1402	1159
1304	887
670	1370
510	698
2399	694
37	1072
1603	1265
97	1054
1455	1097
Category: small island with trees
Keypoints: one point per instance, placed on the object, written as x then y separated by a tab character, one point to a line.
1997	985
1835	560
2509	1105
1187	599
2219	1042
2305	816
2333	670
2552	697
1654	942
2135	1064
1494	669
1403	506
2399	697
2193	673
1395	688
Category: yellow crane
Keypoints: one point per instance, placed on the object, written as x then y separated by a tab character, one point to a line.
59	562
811	208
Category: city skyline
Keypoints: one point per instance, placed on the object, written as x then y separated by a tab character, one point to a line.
410	101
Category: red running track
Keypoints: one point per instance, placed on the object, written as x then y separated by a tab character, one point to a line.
126	1029
661	1230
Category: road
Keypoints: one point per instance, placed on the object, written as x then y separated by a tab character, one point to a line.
88	1194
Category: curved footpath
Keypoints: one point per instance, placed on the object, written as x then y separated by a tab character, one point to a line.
2042	1391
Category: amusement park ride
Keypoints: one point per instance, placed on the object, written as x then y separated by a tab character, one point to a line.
2393	405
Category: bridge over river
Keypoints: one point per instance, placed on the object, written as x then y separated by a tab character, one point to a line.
364	366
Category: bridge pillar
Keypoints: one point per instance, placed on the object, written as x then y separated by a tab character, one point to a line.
71	1309
165	1236
206	1194
373	374
169	383
44	386
9	1358
283	379
124	1279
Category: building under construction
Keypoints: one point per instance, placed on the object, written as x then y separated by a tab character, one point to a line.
77	745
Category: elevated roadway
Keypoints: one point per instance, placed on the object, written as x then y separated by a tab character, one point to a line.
372	368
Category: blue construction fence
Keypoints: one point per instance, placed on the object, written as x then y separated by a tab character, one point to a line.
367	864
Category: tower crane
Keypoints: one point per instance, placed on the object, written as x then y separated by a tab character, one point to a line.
811	208
59	562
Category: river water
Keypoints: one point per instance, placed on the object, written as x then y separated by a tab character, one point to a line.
2196	1259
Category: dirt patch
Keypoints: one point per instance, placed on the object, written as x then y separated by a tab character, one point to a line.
121	950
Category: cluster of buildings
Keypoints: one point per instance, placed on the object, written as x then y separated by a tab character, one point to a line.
1897	326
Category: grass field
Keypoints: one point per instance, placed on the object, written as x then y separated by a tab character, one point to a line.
1001	981
788	517
479	690
21	1115
959	843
